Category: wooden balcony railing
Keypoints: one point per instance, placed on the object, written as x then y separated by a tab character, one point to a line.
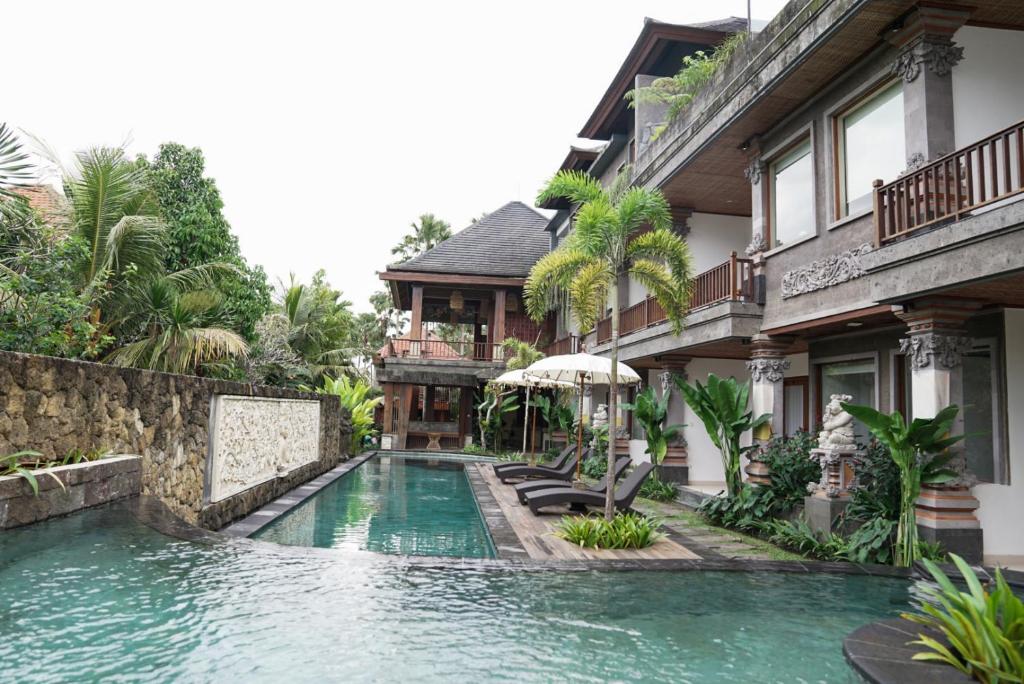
730	281
444	351
987	171
566	345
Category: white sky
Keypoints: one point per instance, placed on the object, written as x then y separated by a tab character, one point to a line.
329	127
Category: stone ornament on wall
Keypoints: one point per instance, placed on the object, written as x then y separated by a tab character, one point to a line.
757	245
767	369
823	273
937	55
753	171
946	351
255	439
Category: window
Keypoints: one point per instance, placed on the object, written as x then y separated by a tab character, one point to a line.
794	405
792	196
855	378
871	146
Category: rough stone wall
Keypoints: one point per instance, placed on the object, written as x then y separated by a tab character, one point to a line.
54	405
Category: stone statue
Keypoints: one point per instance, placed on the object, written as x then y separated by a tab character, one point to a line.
837	425
600	417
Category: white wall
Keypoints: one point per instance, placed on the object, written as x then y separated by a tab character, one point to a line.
1002	506
988	90
704	459
713	236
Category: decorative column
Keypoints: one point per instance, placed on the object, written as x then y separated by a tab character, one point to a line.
767	366
934	349
927	55
416	321
675	467
759	239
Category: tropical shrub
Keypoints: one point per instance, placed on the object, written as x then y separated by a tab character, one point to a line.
985	629
30	464
791	468
13	464
490	411
355	398
597	465
876	493
920	451
722	406
658	490
872	542
798	536
749	510
623	531
651	413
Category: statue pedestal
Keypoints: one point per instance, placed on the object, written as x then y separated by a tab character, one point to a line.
831	495
823	513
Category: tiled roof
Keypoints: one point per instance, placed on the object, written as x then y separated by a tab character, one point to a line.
507	242
727	25
51	205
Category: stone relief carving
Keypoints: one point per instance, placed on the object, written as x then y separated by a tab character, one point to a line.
945	351
938	56
255	439
753	171
772	370
757	244
823	273
665	377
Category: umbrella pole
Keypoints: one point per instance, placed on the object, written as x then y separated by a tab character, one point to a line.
526	420
533	438
579	435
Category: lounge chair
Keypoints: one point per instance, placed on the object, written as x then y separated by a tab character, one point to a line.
556	465
533	485
624	493
566	472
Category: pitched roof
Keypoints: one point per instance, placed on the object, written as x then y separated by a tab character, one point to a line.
507	242
51	205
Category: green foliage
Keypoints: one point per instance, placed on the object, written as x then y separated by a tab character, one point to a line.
876	493
491	408
355	397
624	531
791	468
658	490
722	407
678	91
985	629
12	464
651	413
748	510
798	536
519	354
427	234
872	542
30	464
597	465
920	452
197	233
319	323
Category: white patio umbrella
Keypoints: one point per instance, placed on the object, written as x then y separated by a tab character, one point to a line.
582	368
519	378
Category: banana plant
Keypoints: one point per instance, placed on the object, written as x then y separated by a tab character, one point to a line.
652	413
921	452
722	406
354	397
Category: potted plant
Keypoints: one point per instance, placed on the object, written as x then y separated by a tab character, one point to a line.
652	413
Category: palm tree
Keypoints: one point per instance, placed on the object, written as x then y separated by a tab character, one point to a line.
319	324
429	233
519	354
114	212
179	334
617	231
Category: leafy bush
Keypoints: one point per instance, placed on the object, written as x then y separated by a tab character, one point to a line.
355	397
624	531
877	492
475	450
798	536
651	413
29	464
749	510
658	490
872	542
791	468
985	630
595	467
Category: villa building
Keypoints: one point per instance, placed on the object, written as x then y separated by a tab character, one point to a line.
850	186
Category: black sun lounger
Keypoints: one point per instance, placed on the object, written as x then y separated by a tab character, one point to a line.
556	465
533	485
624	493
566	472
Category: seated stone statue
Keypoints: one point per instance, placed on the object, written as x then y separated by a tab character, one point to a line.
837	425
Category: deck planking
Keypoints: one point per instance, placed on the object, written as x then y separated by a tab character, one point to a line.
536	532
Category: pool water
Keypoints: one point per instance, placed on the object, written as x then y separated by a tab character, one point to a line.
98	596
391	504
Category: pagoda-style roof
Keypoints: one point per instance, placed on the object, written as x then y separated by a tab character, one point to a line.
506	243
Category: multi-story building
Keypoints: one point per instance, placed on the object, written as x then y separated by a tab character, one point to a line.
850	187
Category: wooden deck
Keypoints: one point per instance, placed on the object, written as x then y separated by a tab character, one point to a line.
536	531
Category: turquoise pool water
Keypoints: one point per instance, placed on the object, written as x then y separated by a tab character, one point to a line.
390	504
98	596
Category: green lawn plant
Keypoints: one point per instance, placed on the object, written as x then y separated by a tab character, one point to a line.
921	451
355	397
624	531
984	628
722	406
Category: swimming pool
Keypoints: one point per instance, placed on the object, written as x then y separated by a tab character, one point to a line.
100	596
391	504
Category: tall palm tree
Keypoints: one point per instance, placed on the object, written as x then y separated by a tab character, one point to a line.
426	235
617	231
113	210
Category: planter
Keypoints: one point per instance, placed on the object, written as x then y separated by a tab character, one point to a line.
675	468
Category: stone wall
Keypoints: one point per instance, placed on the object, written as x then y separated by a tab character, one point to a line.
54	405
81	485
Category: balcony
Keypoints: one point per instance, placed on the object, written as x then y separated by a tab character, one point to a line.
948	188
565	345
441	350
731	281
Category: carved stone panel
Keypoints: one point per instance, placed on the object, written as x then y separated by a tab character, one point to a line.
823	273
255	439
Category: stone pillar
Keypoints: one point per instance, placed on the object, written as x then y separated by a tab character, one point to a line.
676	466
416	321
934	349
927	55
756	173
767	368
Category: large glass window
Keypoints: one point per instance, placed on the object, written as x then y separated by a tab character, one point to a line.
793	196
855	378
872	146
